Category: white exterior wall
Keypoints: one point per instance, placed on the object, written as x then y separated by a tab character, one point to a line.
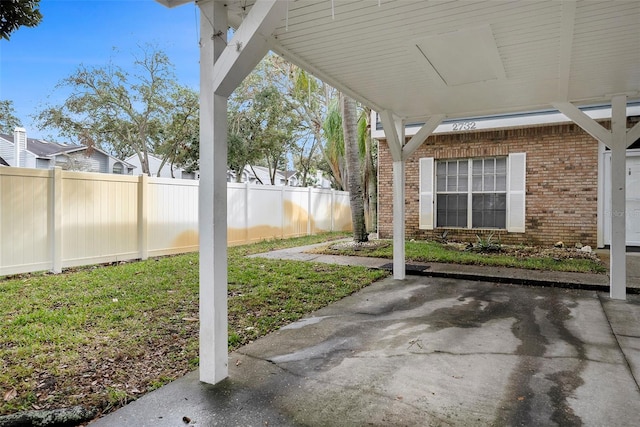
7	152
104	217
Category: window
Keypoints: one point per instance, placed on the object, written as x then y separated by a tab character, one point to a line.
473	193
489	193
452	188
118	168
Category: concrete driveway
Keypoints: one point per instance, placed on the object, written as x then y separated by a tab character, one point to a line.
425	352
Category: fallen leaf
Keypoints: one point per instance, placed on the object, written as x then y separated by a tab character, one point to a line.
10	395
238	362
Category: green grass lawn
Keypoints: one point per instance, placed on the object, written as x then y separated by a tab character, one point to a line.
518	257
101	336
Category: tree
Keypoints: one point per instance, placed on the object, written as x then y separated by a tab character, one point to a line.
8	120
124	114
263	128
333	150
179	140
277	129
350	128
17	13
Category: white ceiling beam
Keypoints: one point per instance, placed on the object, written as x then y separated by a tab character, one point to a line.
393	138
589	125
566	46
248	45
633	134
421	136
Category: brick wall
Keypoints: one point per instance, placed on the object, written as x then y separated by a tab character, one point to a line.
561	186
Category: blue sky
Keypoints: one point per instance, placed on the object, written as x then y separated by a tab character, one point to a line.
90	32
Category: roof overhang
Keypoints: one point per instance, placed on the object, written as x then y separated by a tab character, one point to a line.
420	58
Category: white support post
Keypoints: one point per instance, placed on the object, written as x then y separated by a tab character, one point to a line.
222	68
55	220
618	253
399	267
617	141
394	132
212	199
143	202
391	132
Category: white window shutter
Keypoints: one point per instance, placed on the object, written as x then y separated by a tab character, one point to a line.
426	194
516	192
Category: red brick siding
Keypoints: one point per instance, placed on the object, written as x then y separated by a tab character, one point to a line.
561	183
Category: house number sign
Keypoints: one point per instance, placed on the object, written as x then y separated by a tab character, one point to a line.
463	126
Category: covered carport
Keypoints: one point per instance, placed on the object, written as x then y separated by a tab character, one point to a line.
415	60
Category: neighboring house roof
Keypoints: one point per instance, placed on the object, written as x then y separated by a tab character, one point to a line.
3	162
166	168
46	149
260	174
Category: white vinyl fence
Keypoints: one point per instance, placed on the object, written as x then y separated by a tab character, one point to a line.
52	219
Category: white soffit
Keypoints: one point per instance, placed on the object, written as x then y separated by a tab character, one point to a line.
462	57
494	56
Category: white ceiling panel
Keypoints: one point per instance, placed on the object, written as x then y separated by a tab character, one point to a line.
479	57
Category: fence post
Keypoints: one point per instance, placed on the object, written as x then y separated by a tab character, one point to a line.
309	211
246	212
55	220
282	213
333	208
143	207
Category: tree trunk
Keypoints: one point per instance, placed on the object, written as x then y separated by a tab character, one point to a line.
354	177
53	418
370	180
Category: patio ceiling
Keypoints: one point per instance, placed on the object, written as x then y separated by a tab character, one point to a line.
420	58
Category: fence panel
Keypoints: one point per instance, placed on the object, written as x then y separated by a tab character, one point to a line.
51	219
297	214
341	212
265	213
99	218
172	216
24	220
237	213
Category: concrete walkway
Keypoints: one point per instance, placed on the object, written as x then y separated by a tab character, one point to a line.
426	351
587	281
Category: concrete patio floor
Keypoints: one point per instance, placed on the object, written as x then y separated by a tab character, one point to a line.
426	351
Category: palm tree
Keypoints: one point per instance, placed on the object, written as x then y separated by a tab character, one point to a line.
354	178
368	153
333	151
